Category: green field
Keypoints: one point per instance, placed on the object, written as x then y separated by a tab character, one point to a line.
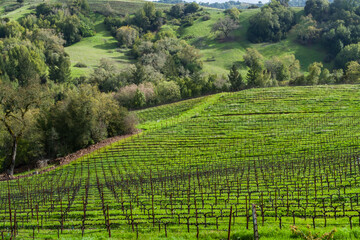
90	50
218	56
291	151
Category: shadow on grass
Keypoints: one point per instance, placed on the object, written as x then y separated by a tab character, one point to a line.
107	45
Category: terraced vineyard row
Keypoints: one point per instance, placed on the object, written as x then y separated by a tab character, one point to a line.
294	152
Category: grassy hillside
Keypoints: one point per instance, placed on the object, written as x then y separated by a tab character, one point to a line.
90	50
218	56
291	151
122	7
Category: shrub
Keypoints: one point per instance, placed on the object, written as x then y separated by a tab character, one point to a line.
80	65
206	17
83	117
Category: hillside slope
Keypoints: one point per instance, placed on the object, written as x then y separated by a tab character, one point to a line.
218	56
291	151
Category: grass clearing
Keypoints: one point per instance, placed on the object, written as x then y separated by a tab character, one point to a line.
218	56
90	50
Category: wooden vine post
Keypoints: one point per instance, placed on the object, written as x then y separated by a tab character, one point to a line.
256	232
229	230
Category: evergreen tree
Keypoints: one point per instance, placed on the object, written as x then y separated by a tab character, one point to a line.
235	78
139	99
251	77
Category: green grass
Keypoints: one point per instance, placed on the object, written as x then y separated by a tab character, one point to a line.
292	151
218	56
123	7
91	49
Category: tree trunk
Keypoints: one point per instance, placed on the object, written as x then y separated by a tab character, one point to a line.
13	157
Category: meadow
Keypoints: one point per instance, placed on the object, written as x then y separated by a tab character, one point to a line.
219	55
293	152
91	50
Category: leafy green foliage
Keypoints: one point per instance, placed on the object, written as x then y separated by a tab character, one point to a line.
317	8
271	24
21	62
235	79
225	26
340	22
83	117
348	54
126	35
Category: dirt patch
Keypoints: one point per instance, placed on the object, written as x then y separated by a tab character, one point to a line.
67	159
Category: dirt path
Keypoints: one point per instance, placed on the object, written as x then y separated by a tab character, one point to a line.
67	159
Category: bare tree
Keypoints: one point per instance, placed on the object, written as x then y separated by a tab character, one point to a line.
225	26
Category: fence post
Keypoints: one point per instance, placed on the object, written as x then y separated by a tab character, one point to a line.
256	233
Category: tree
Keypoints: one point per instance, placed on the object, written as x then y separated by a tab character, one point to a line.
252	58
191	8
176	10
235	79
139	99
277	69
233	13
70	28
21	61
284	2
348	54
168	91
84	116
293	65
225	26
126	35
148	18
11	29
15	105
317	8
315	70
271	24
307	31
251	77
59	68
353	72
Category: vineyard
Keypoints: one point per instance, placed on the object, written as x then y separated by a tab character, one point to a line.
198	166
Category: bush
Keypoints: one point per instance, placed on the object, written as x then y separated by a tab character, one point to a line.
206	17
168	91
133	96
80	65
84	117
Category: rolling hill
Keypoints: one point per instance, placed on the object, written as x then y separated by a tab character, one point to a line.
218	56
292	151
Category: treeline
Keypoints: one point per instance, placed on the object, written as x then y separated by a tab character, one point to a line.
219	5
334	25
286	71
300	3
44	113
